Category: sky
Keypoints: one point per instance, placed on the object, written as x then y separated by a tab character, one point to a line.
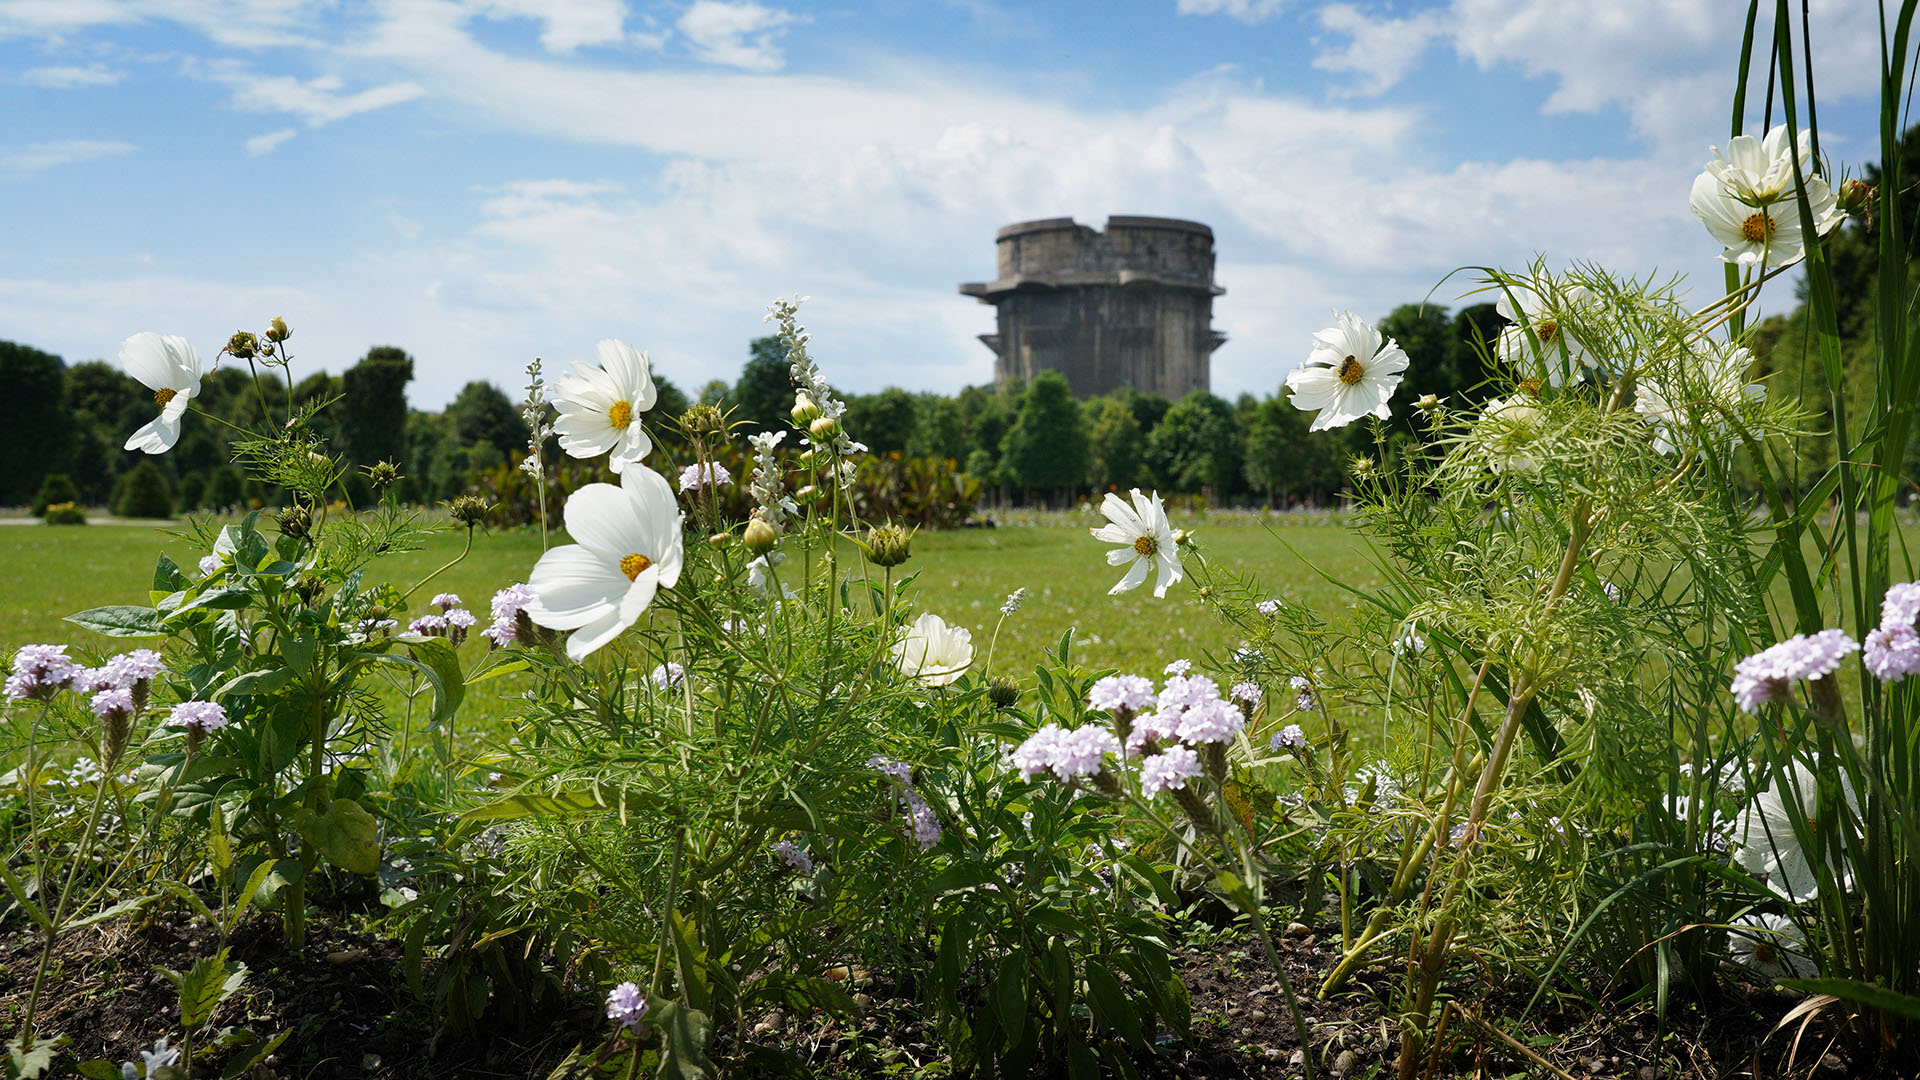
485	181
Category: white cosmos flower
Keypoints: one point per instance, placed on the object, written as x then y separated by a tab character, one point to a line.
1537	339
1772	945
1757	171
1148	538
933	652
1715	384
628	548
170	368
1769	847
1349	374
600	407
1508	429
1768	235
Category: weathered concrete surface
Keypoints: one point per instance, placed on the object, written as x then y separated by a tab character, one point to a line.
1129	306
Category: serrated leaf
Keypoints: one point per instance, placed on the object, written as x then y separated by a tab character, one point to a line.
346	836
31	1062
120	620
210	981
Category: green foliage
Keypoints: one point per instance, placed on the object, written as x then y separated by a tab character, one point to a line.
144	493
887	421
764	391
38	435
1196	447
482	414
1115	445
1046	446
373	406
54	488
65	513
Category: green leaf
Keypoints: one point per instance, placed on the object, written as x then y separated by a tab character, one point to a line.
1111	1004
19	892
247	892
687	1031
691	962
167	578
257	682
1010	995
346	836
120	620
98	1070
30	1062
1878	997
210	981
239	1066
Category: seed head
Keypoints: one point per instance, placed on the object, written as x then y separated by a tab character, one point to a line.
469	510
295	521
243	346
888	545
382	473
702	421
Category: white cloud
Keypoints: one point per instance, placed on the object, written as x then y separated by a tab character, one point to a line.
1378	51
40	156
265	144
568	24
1666	63
240	23
69	78
318	101
1247	11
740	35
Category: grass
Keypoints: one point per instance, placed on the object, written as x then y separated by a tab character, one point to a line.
964	575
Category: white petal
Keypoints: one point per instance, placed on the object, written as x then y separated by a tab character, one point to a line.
604	519
1136	574
145	357
1170	572
589	638
1120	555
589	445
1112	534
157	437
573	587
1121	514
639	594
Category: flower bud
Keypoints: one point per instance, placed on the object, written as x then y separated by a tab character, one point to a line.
277	330
823	429
1003	692
702	421
243	346
295	521
760	536
720	539
809	493
1856	197
889	545
1182	537
805	412
1428	402
1363	467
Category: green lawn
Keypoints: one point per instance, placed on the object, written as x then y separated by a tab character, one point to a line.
963	575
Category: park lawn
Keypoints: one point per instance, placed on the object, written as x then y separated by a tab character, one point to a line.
963	575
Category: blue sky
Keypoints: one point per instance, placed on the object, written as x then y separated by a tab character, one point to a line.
483	181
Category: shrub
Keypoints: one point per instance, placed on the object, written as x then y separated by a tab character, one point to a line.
56	488
223	489
193	491
65	513
144	493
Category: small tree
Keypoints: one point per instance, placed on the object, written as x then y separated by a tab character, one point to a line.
38	434
144	493
1197	447
55	488
193	491
764	393
1046	447
224	489
885	421
1114	444
373	405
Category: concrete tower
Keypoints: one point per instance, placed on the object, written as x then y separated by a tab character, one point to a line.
1129	306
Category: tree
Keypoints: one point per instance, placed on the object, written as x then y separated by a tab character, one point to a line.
1431	341
1046	447
1281	458
54	488
884	421
481	412
763	396
1476	328
373	406
941	431
1114	443
38	435
987	413
1197	446
225	489
144	493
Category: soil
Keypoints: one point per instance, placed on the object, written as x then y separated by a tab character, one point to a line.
346	1006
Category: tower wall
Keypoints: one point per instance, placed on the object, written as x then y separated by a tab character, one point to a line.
1129	306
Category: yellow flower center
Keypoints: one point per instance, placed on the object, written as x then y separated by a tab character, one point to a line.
1764	953
1145	545
1547	331
1350	371
165	394
620	416
1758	227
633	564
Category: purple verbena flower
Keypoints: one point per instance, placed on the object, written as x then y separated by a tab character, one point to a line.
1183	692
668	675
1178	667
1211	721
1288	738
1247	695
1892	653
795	857
1039	752
1268	608
508	601
1083	752
694	477
892	767
926	827
39	671
1117	693
1768	675
1169	770
1901	605
210	563
626	1005
430	625
446	601
201	716
113	704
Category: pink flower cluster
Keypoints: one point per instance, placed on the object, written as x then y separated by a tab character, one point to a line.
1768	675
1187	713
1069	755
1892	652
507	605
920	817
